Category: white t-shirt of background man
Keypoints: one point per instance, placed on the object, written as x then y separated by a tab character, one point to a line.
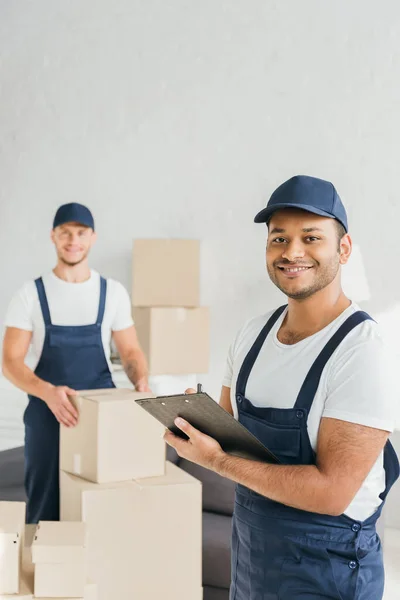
355	385
70	304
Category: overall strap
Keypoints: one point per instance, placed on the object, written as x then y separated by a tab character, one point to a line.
43	301
102	301
254	351
311	382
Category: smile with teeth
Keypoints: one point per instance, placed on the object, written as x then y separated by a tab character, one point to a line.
294	269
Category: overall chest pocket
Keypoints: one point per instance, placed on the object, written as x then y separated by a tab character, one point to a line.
77	341
283	441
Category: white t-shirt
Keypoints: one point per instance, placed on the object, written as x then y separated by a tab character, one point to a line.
69	304
355	385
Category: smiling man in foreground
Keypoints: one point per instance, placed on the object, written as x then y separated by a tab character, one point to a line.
309	380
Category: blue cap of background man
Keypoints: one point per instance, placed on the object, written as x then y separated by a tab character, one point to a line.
73	213
307	193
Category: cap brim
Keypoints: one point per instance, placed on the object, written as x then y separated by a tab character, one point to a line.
264	215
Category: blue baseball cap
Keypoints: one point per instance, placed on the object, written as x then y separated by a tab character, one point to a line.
73	213
307	193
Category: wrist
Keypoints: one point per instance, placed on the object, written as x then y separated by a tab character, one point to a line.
220	462
45	390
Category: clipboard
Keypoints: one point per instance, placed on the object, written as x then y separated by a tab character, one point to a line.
206	415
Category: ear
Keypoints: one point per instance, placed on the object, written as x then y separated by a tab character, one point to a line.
93	238
346	246
52	236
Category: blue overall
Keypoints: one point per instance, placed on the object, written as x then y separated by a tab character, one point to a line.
72	356
281	553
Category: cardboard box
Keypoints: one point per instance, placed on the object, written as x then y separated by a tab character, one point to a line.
175	340
26	583
59	556
147	532
12	531
113	440
166	273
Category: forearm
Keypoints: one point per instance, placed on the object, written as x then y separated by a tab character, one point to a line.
303	487
25	379
135	366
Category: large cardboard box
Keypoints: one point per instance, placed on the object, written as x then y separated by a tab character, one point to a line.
166	273
59	556
12	530
147	532
174	340
114	440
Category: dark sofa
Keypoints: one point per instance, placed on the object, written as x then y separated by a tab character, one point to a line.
218	499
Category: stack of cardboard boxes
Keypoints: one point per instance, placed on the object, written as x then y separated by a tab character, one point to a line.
172	327
142	513
44	561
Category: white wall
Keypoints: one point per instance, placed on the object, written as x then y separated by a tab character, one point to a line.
178	119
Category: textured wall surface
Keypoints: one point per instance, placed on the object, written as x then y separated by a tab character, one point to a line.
178	119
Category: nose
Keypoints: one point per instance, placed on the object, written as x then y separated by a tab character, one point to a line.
73	239
293	251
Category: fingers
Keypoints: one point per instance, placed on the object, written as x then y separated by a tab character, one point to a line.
175	442
63	418
185	427
67	415
190	391
70	391
67	391
70	412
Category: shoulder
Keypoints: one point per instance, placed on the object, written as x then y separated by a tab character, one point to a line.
27	293
365	338
363	351
117	295
115	287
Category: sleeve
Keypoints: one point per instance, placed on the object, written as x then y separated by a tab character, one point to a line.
228	375
361	389
19	312
123	312
227	379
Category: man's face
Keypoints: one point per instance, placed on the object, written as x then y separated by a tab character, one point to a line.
304	252
73	242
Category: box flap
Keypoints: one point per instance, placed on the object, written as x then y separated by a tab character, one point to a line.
59	542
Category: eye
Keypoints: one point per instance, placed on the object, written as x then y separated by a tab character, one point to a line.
279	240
312	238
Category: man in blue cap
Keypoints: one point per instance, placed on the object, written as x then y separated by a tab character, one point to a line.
69	316
310	381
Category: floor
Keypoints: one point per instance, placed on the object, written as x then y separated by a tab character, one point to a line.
12	405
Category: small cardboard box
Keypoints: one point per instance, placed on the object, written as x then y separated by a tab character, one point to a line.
113	440
12	532
175	340
59	556
143	535
26	582
166	272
